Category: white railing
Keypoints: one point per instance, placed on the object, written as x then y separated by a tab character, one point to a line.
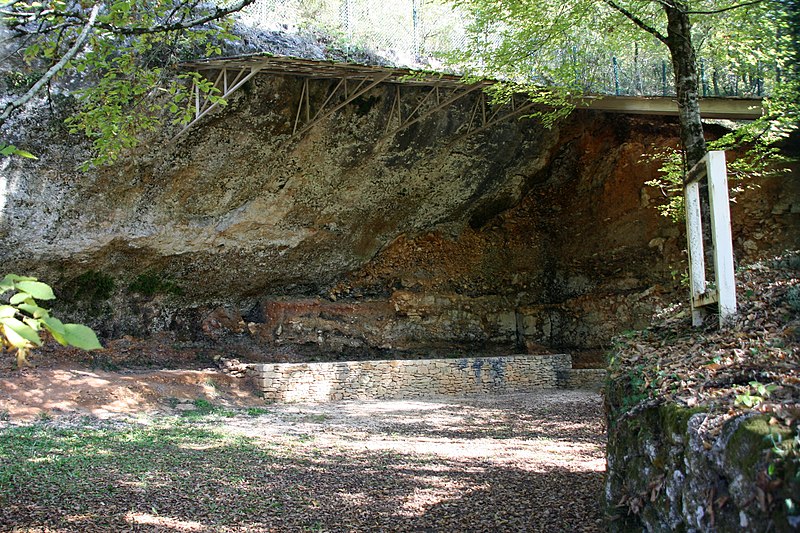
722	291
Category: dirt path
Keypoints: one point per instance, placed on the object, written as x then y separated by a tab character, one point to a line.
66	389
116	452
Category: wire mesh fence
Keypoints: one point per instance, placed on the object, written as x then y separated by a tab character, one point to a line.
409	32
421	33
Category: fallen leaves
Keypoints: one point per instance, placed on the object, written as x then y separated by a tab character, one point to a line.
709	367
521	462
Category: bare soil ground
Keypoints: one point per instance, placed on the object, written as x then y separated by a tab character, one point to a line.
65	388
116	451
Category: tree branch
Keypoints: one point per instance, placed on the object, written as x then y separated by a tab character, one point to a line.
52	71
181	25
724	9
636	20
217	14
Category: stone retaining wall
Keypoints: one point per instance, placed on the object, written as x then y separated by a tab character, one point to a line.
582	378
320	382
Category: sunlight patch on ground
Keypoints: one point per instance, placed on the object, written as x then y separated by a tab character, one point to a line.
164	521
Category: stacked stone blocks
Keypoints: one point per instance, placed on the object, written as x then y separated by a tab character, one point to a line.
331	381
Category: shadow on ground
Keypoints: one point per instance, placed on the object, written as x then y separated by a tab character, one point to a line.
179	474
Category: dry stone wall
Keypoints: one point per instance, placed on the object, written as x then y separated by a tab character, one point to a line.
321	382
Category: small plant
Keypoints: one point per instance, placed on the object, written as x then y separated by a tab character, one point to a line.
150	284
784	465
23	318
203	405
8	150
257	411
758	393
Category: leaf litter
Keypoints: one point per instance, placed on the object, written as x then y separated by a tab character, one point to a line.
752	365
523	461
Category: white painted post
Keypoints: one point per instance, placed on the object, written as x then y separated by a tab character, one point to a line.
694	237
721	235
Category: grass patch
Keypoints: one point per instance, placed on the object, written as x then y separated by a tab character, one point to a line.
104	474
203	408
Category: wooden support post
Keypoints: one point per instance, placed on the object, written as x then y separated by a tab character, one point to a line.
457	94
308	101
721	234
712	168
694	238
196	100
240	80
299	107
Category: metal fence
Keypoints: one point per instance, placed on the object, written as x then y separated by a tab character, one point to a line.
409	32
419	33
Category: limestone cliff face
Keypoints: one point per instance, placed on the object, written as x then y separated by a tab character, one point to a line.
347	240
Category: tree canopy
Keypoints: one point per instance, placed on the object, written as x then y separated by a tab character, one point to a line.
117	57
713	47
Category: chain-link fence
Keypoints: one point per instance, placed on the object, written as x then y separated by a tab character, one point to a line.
422	32
409	32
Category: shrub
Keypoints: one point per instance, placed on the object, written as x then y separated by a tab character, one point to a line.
22	318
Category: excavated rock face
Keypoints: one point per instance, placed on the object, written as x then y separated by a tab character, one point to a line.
352	242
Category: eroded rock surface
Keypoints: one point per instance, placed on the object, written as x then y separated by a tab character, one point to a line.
351	242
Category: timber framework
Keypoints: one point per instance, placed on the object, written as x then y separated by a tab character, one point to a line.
443	90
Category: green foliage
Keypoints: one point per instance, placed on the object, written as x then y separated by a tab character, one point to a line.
784	465
569	47
574	44
203	407
150	284
23	318
257	411
759	140
9	150
757	394
128	65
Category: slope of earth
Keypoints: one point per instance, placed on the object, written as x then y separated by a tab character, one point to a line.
521	462
67	389
704	424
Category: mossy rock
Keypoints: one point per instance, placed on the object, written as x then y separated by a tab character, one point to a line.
151	283
755	449
91	286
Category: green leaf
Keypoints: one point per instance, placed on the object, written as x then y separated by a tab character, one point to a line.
7	311
37	289
56	329
34	310
53	325
18	333
8	150
26	154
19	298
8	281
81	337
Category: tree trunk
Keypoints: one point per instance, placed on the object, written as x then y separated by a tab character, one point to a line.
684	64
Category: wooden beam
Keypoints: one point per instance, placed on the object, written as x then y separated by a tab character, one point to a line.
355	94
729	108
721	235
